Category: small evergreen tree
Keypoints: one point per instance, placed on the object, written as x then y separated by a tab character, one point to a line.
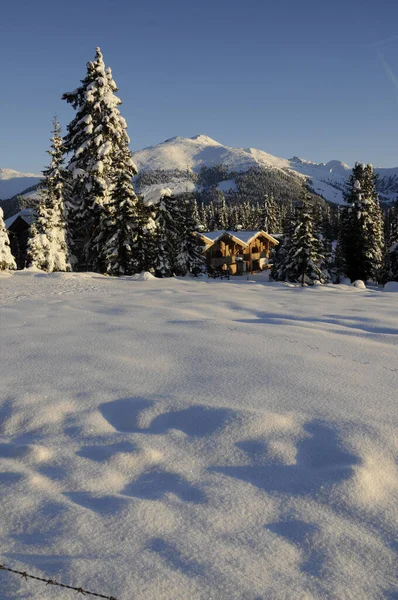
222	215
203	220
280	259
144	242
211	217
269	215
121	215
391	259
47	247
166	235
7	260
189	257
195	215
301	260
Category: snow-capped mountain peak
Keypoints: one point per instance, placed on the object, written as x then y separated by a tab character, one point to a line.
182	154
13	182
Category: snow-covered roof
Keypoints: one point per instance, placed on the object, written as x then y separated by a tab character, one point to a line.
243	236
27	214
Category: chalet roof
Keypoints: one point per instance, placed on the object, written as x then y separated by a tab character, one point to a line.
26	214
243	236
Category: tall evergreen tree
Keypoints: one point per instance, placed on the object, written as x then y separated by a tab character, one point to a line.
101	164
7	261
48	244
361	234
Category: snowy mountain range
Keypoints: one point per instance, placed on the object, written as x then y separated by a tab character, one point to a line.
176	161
182	154
13	182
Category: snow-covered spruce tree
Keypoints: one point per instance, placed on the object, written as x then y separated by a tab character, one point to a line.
48	243
391	259
144	242
7	260
306	261
195	215
211	217
280	256
189	258
166	235
375	233
269	215
303	261
120	253
98	141
222	214
245	214
361	227
203	217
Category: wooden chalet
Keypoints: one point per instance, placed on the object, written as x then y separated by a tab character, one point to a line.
239	251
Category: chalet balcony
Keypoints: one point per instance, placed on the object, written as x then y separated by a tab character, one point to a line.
221	260
256	255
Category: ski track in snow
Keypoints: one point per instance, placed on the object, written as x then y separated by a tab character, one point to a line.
196	439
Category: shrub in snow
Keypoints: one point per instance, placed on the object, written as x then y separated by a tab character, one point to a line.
47	247
7	260
345	281
144	276
391	286
359	284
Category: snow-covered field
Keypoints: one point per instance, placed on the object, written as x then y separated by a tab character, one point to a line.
184	439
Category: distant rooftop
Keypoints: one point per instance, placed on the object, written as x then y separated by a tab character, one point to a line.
244	235
27	214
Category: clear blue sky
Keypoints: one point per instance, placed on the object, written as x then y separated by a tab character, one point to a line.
313	79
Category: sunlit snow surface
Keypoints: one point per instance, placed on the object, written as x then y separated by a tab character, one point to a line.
196	439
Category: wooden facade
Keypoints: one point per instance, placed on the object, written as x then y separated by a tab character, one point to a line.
239	251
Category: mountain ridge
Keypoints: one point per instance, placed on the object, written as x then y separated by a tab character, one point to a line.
14	182
187	156
325	179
